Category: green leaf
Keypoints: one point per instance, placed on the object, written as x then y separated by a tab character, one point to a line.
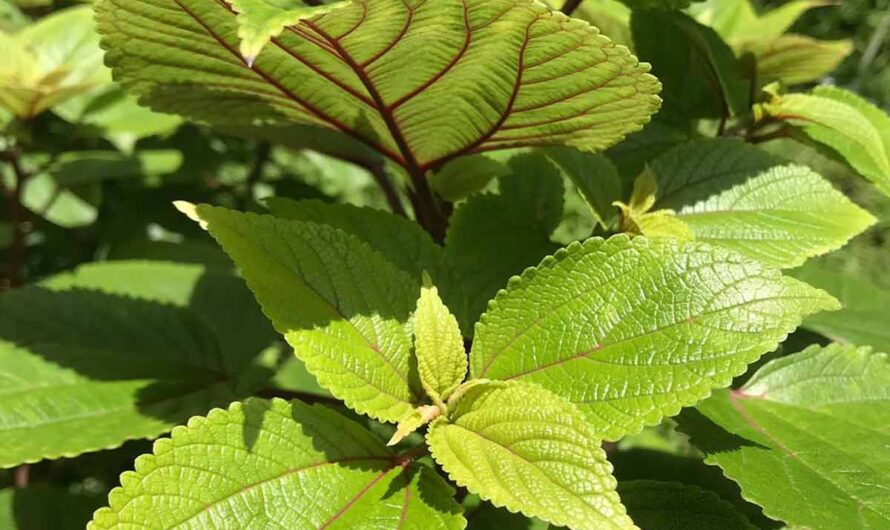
50	61
78	168
673	506
130	350
438	344
798	59
342	306
792	426
738	22
734	195
482	515
849	127
45	507
493	237
289	465
632	330
261	20
522	447
402	242
863	318
658	4
489	75
413	421
117	116
596	178
701	75
636	217
466	175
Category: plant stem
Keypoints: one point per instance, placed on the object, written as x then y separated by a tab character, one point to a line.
22	476
431	213
18	250
389	190
775	135
570	6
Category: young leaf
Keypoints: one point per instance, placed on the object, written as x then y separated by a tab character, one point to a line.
863	319
793	427
733	195
851	128
120	358
701	75
632	330
262	464
493	237
421	82
797	59
522	447
673	506
342	306
438	344
413	421
50	61
636	217
261	20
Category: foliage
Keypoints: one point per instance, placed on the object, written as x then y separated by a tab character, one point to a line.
440	264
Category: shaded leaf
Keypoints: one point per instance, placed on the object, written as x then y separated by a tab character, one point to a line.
596	178
674	506
792	424
466	175
797	59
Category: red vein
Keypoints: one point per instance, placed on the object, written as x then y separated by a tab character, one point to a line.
386	49
355	499
357	25
517	84
408	158
404	515
468	37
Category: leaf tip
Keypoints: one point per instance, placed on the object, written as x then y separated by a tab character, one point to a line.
191	211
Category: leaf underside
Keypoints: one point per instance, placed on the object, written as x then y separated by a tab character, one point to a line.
490	75
633	330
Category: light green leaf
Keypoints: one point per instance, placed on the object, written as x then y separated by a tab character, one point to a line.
413	421
792	426
863	319
798	59
493	237
673	506
636	217
596	178
420	82
275	464
261	20
466	175
737	21
701	75
438	344
849	127
522	447
342	306
732	194
131	349
632	330
50	61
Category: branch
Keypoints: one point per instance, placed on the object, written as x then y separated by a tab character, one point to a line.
389	190
570	6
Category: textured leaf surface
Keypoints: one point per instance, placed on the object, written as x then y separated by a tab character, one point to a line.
853	129
260	20
701	76
438	345
419	81
792	426
466	175
495	236
863	319
342	306
273	464
632	330
50	61
733	195
522	447
673	506
131	350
